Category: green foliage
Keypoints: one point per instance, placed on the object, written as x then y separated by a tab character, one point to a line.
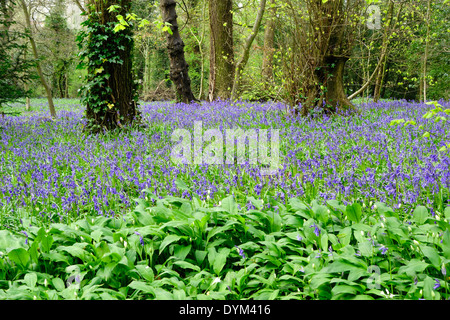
14	65
101	45
173	248
438	113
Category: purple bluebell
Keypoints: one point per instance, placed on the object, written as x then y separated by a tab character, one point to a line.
437	285
241	252
383	249
316	229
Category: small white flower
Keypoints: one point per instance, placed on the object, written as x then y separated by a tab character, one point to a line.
34	298
387	294
382	225
125	244
416	242
121	239
216	280
45	282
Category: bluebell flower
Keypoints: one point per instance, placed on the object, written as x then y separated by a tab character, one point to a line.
241	252
316	229
26	235
437	284
141	240
383	249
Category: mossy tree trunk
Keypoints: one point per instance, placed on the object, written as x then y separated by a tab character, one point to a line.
330	28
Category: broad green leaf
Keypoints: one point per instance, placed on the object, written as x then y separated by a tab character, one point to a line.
58	284
182	251
46	243
33	251
447	213
229	205
324	242
181	184
257	203
30	279
420	214
168	240
413	267
19	256
146	272
428	291
141	286
344	236
344	289
187	265
74	251
354	212
9	241
446	244
200	256
161	294
220	260
432	254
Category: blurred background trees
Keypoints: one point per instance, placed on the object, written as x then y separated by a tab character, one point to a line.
407	57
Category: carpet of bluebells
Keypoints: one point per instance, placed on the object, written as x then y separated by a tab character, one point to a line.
358	209
54	171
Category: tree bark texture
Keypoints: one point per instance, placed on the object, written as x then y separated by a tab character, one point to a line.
222	67
268	52
122	108
175	45
331	50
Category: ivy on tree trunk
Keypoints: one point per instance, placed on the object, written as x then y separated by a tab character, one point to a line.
109	93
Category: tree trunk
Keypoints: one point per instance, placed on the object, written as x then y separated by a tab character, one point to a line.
268	53
331	97
36	56
425	57
221	72
111	104
175	45
246	54
331	30
27	98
